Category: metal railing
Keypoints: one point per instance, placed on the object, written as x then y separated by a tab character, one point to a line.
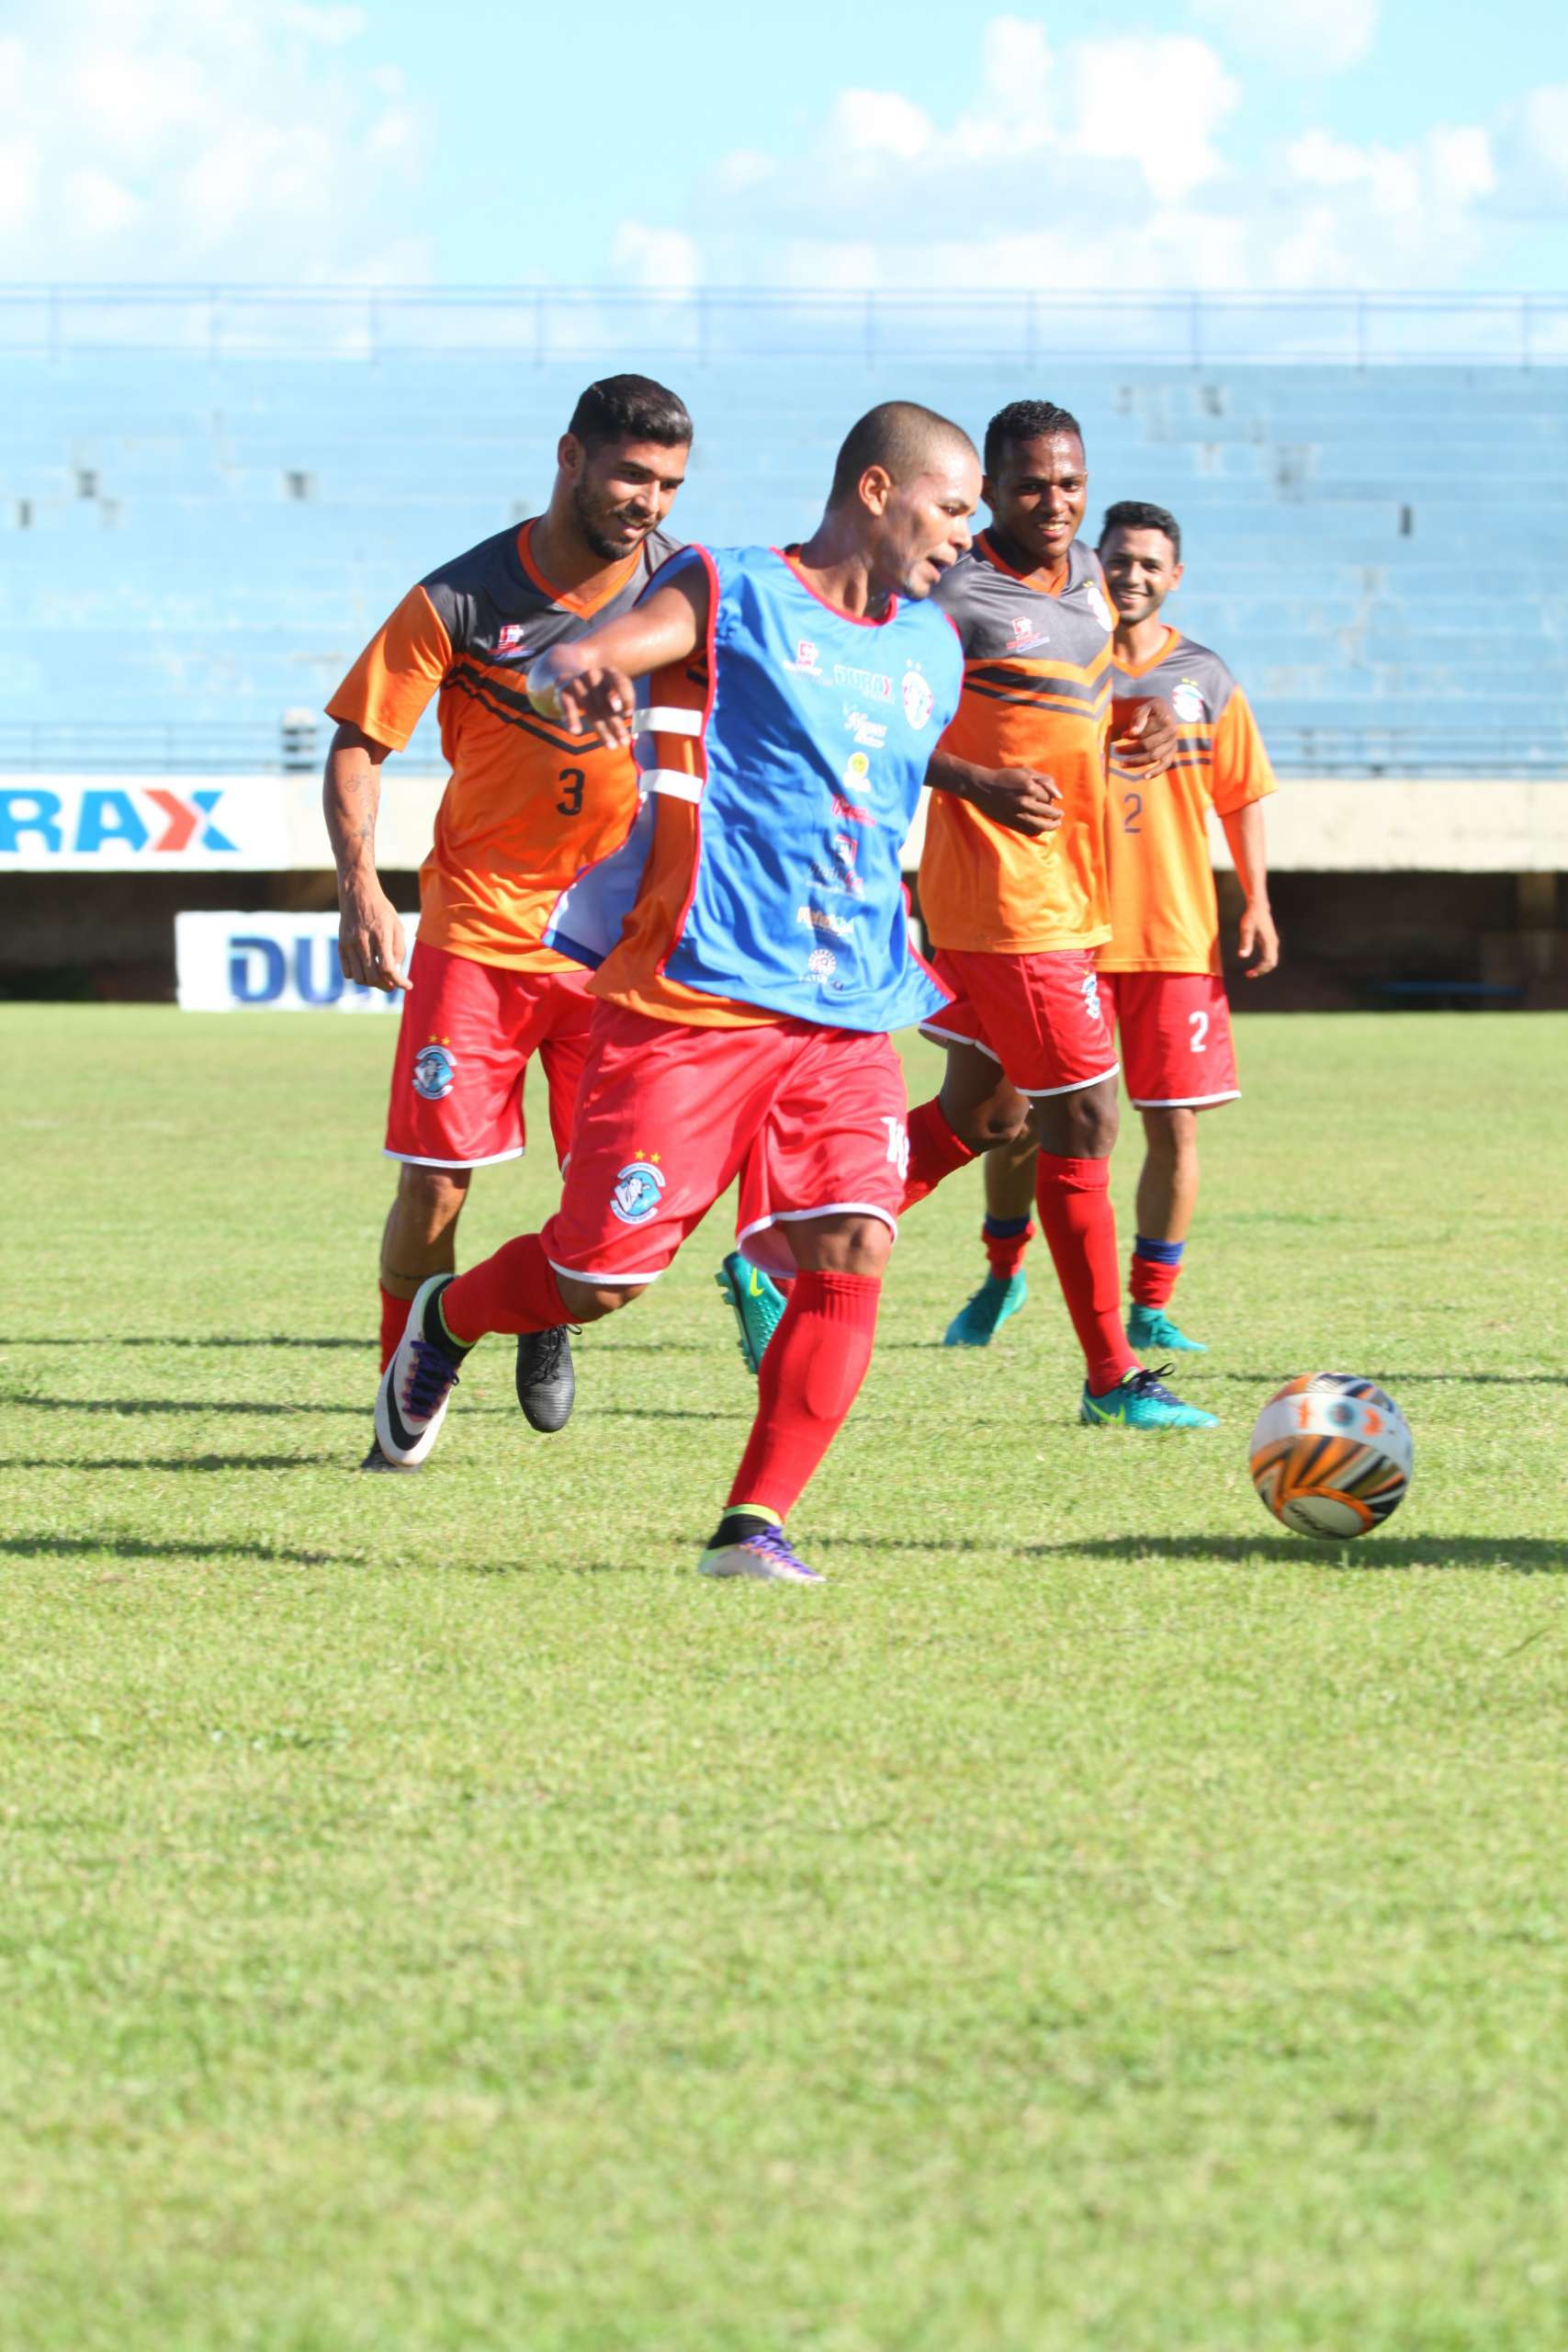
541	324
297	746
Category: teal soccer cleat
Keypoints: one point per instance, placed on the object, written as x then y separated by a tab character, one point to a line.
977	1324
758	1303
1141	1401
1150	1328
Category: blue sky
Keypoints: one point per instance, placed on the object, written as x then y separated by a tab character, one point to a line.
886	142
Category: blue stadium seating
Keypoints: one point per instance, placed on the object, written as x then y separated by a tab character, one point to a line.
190	547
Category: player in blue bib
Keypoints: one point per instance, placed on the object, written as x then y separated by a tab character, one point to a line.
752	950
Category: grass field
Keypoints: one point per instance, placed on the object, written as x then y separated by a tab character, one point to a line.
433	1917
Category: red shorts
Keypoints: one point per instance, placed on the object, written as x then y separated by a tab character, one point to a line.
811	1120
1175	1034
1039	1015
465	1038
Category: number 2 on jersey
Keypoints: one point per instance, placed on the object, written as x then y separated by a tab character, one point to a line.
1132	809
571	802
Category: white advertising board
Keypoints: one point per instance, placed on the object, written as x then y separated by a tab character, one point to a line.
244	824
267	963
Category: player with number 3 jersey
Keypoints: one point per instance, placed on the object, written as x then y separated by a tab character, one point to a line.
530	801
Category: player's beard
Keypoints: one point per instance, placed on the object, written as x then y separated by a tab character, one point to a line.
594	520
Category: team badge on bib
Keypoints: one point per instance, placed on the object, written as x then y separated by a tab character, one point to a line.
1187	701
636	1194
918	699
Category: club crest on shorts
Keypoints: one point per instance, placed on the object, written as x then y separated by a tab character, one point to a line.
635	1194
434	1071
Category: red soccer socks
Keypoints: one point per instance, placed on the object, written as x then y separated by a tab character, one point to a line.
394	1315
934	1151
1154	1270
1005	1239
515	1291
1080	1226
810	1376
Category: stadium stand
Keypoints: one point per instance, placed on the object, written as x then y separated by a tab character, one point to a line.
194	546
205	512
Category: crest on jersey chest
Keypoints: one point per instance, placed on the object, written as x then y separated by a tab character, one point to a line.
1186	700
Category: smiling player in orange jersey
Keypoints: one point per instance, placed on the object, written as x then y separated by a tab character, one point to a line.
1017	921
529	802
1160	972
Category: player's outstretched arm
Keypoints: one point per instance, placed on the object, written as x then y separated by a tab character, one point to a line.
1020	798
370	931
1144	736
587	685
1244	832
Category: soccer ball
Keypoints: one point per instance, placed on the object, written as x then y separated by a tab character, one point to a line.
1331	1455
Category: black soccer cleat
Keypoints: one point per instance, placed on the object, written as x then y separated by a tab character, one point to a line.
546	1384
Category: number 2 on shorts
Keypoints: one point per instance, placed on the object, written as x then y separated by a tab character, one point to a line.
1200	1031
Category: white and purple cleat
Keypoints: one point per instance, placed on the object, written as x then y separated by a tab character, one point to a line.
766	1554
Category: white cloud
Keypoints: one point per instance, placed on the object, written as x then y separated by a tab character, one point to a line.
1107	162
1178	88
96	204
19	178
331	27
877	122
1327	36
665	259
170	135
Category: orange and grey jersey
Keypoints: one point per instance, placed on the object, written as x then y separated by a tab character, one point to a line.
1037	687
1164	914
528	803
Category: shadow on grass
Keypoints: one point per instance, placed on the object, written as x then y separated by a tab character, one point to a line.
143	1547
172	1462
366	1341
217	1407
1516	1554
1393	1381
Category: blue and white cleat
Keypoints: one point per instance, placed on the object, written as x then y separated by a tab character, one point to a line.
1141	1401
758	1303
976	1324
1150	1327
768	1556
411	1401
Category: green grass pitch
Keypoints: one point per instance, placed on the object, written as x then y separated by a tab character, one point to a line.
431	1917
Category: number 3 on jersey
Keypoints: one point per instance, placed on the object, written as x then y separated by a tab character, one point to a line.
570	801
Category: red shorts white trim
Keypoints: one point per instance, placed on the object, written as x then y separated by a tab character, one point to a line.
467	1034
810	1119
1039	1015
1174	1029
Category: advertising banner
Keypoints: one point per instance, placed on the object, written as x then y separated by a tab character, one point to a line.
267	963
250	824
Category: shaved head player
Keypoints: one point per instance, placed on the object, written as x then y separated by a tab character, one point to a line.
530	801
743	998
